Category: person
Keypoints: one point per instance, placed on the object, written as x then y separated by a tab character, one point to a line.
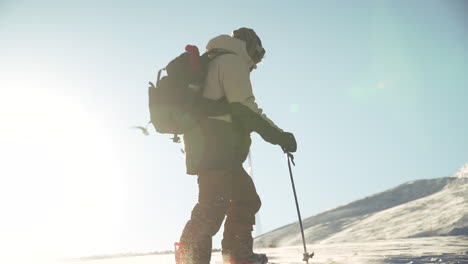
216	149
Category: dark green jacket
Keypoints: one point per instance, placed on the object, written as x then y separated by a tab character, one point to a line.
216	144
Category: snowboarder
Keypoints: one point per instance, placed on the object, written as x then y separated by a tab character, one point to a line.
216	149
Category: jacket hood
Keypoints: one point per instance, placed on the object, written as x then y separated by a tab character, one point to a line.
228	43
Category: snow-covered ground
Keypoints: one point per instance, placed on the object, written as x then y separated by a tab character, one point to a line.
424	221
442	250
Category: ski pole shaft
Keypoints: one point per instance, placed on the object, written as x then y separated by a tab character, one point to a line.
306	255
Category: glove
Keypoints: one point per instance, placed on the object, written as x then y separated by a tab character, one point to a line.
287	142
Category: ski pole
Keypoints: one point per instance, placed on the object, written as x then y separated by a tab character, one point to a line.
306	255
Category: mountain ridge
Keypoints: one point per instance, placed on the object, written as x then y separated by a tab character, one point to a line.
410	207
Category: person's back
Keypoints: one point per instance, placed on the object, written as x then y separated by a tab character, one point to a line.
217	148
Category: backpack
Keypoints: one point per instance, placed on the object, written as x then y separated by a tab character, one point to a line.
176	103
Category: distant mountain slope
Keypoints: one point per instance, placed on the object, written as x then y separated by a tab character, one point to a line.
417	208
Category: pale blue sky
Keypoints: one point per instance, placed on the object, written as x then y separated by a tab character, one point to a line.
376	93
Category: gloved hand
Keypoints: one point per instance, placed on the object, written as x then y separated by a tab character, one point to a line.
288	142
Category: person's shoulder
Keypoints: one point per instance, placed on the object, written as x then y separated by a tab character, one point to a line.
226	56
230	61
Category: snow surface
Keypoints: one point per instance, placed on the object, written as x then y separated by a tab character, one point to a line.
443	250
424	221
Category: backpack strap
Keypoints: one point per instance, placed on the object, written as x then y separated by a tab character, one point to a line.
218	52
212	55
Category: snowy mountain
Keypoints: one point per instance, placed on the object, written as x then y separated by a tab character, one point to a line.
434	207
462	173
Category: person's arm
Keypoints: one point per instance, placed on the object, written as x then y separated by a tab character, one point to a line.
235	79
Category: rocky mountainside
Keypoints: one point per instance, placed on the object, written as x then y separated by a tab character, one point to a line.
434	207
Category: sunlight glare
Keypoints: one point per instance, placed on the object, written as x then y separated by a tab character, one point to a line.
62	177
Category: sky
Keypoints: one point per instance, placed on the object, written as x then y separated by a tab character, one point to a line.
375	92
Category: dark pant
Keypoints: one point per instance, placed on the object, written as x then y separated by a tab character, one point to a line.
221	193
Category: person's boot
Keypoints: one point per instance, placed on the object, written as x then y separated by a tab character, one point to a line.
238	250
252	259
237	238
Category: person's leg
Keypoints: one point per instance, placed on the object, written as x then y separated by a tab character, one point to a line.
237	237
207	216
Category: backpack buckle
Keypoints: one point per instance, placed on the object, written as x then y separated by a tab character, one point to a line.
176	138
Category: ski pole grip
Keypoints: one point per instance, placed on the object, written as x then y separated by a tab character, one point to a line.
290	158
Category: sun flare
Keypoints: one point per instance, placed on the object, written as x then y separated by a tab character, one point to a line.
63	178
